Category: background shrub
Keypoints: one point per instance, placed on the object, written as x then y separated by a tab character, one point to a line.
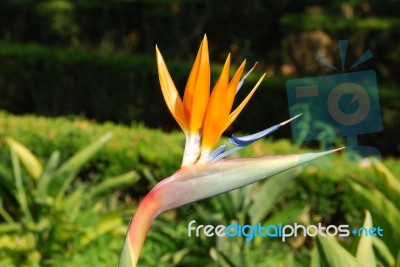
124	88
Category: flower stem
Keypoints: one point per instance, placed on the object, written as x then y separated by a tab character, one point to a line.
192	149
137	231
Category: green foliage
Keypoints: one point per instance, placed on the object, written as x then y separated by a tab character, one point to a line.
316	195
382	201
131	148
331	254
45	214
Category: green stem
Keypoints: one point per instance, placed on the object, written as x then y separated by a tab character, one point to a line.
7	217
137	231
21	196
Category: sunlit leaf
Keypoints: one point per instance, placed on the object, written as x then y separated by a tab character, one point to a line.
332	254
30	162
365	252
391	183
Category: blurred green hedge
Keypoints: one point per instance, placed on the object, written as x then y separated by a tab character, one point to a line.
125	88
66	81
117	87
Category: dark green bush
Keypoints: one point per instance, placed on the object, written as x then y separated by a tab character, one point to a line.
119	88
63	82
125	88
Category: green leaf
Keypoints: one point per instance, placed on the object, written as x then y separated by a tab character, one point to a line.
179	255
220	258
384	212
287	216
6	179
67	171
332	254
31	163
315	258
47	175
382	252
3	213
242	198
269	193
21	193
390	182
7	228
7	184
365	253
72	203
227	205
114	183
107	224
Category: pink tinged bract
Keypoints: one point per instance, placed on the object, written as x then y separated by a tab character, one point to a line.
192	183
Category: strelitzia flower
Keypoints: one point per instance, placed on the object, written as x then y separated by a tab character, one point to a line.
203	118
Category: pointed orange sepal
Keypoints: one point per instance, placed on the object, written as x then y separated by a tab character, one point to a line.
217	109
237	111
197	89
171	95
231	91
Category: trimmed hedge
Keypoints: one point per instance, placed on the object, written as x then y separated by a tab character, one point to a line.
64	81
125	88
118	87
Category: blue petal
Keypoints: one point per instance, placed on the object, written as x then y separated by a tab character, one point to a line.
241	142
244	77
226	153
248	139
216	152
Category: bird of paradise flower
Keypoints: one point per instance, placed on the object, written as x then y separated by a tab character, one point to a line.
203	118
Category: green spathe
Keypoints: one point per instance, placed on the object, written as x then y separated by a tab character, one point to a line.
205	180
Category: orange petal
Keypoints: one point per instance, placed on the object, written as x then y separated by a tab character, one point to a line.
233	85
237	111
217	109
171	95
197	89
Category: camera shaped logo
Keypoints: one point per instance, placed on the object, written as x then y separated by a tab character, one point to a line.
344	104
